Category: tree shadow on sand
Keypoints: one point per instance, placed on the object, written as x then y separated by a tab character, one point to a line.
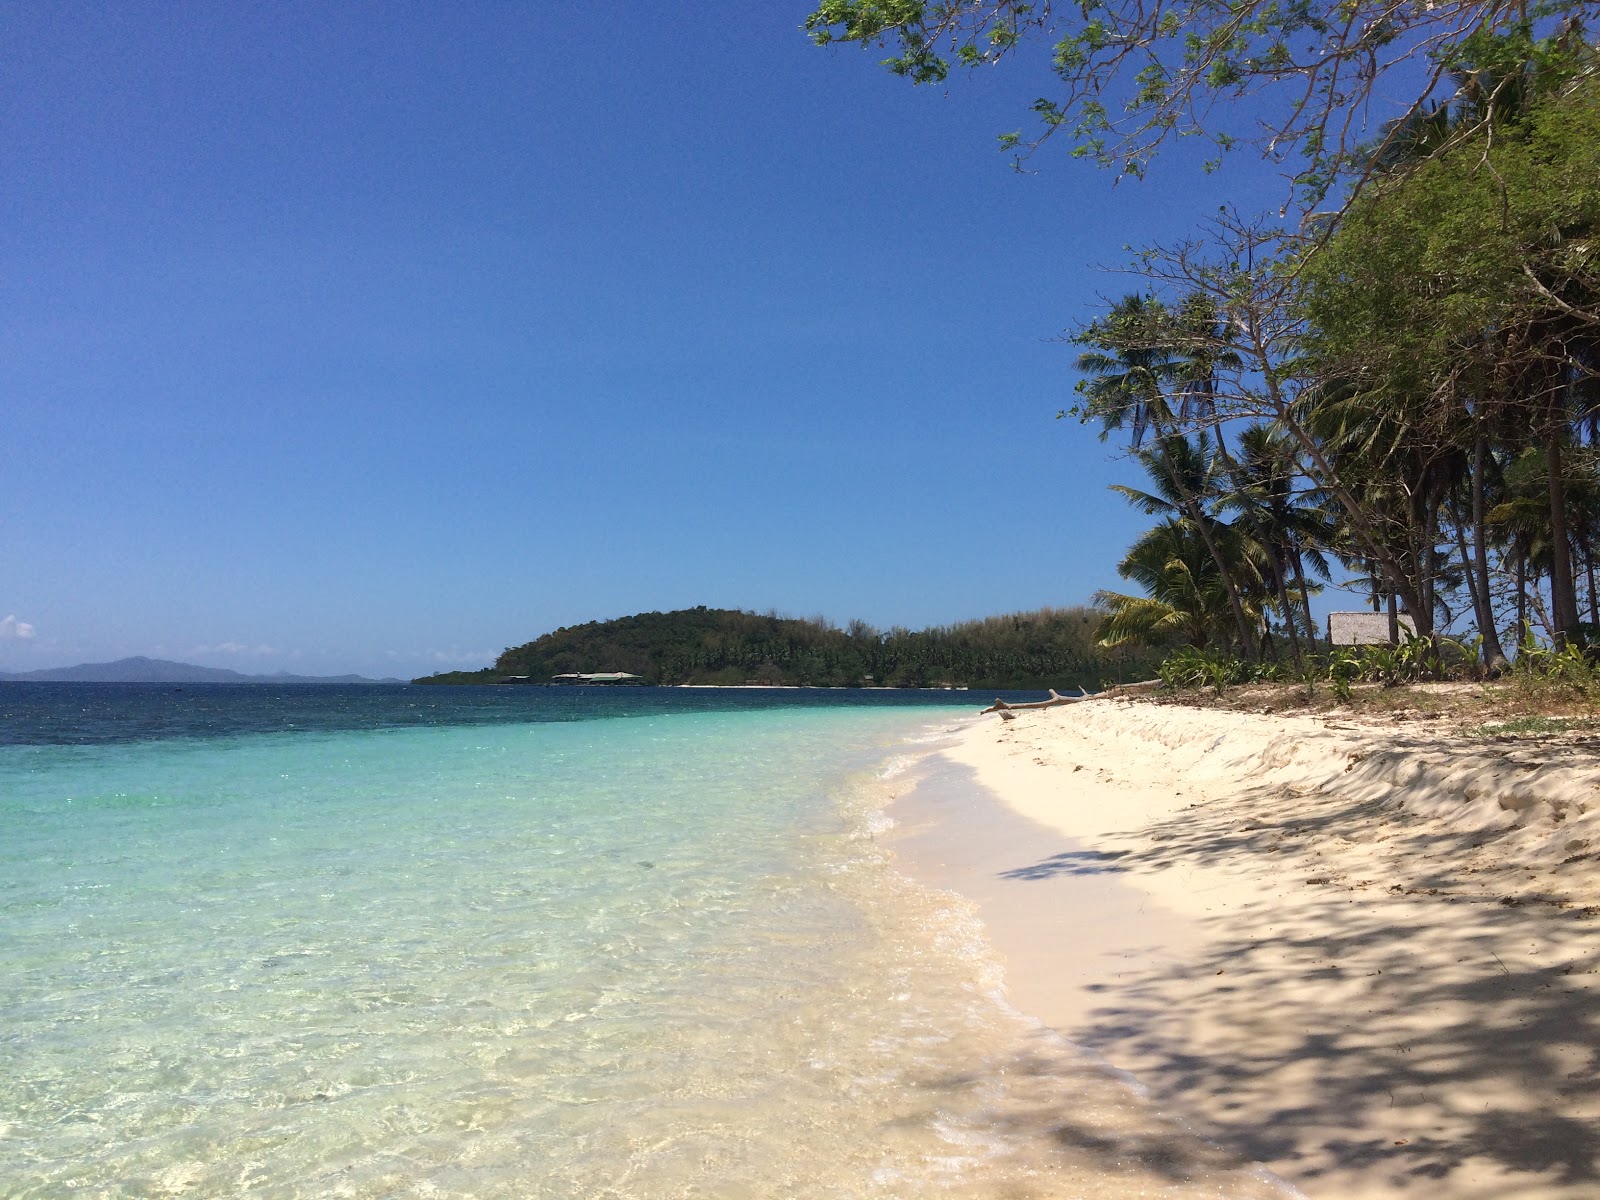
1423	1027
1071	862
1078	1125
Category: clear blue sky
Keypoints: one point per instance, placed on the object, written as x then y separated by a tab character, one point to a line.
378	338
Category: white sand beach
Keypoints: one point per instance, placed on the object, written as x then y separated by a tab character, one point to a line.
1364	955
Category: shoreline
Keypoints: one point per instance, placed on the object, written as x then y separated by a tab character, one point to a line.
1364	956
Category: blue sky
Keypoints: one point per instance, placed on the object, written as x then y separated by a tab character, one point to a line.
379	338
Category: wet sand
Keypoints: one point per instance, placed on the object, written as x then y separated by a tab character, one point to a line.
1363	956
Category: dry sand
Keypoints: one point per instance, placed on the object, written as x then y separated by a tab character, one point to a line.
1365	956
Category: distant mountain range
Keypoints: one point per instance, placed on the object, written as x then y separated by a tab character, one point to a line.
158	670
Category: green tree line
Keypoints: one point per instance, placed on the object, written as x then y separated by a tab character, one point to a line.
1410	391
1046	648
1394	380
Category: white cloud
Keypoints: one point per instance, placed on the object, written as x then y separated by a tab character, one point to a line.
260	651
11	628
451	657
480	657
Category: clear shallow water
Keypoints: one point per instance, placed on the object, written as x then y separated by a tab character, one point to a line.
553	953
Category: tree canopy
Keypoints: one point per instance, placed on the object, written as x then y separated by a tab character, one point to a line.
1428	370
1049	647
1307	83
1404	382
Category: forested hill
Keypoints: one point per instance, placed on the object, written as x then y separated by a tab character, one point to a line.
1047	648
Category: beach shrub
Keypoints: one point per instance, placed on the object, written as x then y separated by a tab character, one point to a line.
1345	666
1533	724
1192	667
1542	671
1412	660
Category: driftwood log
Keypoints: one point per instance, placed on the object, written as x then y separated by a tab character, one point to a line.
1006	713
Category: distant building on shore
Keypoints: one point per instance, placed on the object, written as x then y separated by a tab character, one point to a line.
1365	628
574	677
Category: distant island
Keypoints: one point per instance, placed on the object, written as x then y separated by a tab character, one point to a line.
160	670
728	647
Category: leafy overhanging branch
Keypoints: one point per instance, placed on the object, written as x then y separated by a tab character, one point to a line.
1321	77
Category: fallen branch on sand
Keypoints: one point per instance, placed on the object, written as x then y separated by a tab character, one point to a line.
1004	709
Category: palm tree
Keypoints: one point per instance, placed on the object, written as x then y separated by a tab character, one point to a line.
1130	366
1536	353
1184	598
1390	444
1291	524
1522	519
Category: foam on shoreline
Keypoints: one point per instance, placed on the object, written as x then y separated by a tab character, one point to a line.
1363	956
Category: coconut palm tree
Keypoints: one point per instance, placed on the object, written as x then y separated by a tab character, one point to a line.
1290	522
1131	368
1184	601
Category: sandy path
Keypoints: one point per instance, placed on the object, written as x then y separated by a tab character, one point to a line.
1361	956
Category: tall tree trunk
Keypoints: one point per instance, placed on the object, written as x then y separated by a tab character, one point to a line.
1305	595
1494	659
1249	517
1284	599
1372	546
1428	561
1321	470
1192	509
1247	643
1468	573
1563	589
1494	655
1539	613
1522	594
1588	570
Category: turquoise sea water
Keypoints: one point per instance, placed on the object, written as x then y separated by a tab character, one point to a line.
429	942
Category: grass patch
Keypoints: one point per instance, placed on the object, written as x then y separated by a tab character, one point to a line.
1531	724
1503	708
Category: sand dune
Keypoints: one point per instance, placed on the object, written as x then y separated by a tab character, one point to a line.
1364	955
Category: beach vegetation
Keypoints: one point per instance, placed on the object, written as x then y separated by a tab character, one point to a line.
1184	600
1192	667
709	646
1540	676
1410	394
1533	724
1394	385
1299	83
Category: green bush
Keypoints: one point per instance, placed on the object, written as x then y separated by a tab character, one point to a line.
1570	667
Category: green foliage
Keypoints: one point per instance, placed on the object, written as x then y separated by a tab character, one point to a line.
1344	668
486	675
1051	647
1186	600
1192	667
1408	385
1528	725
1570	666
1473	238
867	21
1413	391
1341	667
1128	76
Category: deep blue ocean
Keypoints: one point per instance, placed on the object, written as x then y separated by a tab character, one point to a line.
323	941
